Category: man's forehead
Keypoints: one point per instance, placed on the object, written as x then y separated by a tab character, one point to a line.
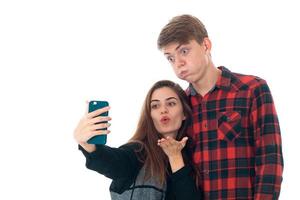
172	47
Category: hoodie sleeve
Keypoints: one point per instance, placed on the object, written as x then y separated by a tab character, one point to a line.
114	163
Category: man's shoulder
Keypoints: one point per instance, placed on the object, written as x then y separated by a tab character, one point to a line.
245	81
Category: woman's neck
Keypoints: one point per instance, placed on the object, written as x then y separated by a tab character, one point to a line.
172	135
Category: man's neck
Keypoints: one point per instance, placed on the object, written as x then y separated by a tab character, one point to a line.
208	81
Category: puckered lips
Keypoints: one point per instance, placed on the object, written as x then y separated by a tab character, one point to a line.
183	73
164	119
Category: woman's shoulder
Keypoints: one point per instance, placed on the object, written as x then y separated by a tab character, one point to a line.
135	147
132	146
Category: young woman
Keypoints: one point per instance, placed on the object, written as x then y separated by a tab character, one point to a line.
155	163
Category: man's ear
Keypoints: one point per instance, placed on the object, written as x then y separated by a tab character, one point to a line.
207	44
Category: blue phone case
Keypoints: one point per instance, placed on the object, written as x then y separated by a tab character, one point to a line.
95	105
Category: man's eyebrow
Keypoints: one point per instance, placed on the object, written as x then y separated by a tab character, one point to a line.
175	49
178	46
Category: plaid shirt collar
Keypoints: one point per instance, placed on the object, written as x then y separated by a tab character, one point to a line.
223	82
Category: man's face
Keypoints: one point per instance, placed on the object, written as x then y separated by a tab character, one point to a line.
190	60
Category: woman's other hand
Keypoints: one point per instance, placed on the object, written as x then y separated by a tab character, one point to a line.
172	149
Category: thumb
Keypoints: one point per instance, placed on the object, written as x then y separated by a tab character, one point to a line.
183	141
86	107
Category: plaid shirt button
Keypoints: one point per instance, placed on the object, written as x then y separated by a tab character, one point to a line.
207	195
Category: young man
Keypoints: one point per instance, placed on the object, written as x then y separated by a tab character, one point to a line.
235	126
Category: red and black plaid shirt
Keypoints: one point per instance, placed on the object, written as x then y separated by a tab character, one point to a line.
237	139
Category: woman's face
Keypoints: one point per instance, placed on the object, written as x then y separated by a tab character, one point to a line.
166	111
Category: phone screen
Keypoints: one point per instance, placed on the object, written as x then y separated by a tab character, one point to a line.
95	105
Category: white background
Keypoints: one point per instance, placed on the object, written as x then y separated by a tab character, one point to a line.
55	55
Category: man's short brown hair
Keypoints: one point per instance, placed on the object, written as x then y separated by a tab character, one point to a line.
181	29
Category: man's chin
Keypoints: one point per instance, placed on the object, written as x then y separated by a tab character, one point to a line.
187	79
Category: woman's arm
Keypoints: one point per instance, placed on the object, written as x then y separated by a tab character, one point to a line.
183	185
176	162
113	163
172	149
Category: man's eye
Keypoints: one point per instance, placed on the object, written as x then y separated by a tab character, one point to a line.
184	51
171	59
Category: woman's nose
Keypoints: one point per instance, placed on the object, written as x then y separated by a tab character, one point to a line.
164	109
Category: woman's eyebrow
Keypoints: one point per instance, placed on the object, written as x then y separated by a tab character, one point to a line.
171	98
154	100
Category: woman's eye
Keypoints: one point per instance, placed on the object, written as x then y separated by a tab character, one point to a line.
154	106
171	103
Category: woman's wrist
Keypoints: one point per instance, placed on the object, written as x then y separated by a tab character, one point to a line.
176	162
88	147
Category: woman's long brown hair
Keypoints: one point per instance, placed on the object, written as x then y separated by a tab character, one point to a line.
155	161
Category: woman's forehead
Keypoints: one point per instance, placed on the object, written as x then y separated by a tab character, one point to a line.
164	93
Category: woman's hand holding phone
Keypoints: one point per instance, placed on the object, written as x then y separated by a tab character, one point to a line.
89	126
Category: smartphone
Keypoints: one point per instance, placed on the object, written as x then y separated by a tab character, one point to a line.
95	105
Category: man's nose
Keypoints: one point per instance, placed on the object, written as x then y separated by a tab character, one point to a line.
179	62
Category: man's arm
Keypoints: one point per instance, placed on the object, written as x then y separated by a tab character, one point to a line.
268	160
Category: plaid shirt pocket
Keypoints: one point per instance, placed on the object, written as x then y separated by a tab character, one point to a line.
229	125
